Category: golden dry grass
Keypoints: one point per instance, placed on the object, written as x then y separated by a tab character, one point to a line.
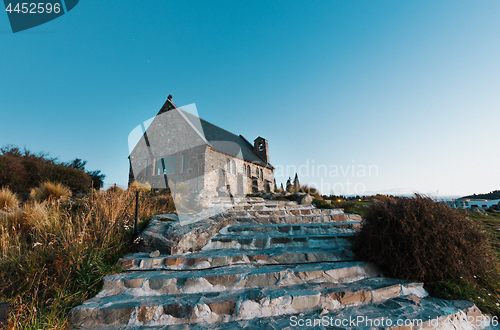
139	186
8	199
50	191
53	255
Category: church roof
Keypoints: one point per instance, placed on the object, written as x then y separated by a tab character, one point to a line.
218	138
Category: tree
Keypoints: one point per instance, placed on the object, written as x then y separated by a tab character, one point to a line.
289	185
96	176
78	164
97	179
296	184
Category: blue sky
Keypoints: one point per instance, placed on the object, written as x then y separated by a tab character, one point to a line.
409	88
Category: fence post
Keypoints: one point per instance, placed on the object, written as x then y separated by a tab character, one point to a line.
4	315
136	230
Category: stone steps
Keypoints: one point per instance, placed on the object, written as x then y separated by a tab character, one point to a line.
434	314
234	277
256	266
234	305
266	211
263	241
292	219
215	258
288	230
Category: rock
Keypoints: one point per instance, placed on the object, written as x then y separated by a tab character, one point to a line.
386	293
178	311
304	199
218	261
305	302
154	254
194	261
348	298
223	308
146	313
272	196
133	283
126	263
222	191
479	210
173	261
118	313
223	280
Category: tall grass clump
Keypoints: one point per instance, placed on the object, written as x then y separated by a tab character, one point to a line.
8	199
419	239
50	191
53	256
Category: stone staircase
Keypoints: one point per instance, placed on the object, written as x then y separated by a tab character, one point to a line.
269	265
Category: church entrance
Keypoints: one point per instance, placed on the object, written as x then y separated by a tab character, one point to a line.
255	185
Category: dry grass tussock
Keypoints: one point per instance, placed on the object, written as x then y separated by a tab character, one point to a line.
8	199
53	255
50	191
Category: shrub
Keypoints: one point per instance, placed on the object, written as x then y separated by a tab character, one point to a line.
419	239
347	206
50	191
115	189
311	191
322	204
22	170
8	200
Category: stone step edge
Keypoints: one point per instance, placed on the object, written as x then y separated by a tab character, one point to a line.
302	211
293	219
240	278
335	224
313	266
245	257
219	310
455	312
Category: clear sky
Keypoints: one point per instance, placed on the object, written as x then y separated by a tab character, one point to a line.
408	89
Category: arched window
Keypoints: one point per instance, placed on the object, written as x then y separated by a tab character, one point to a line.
228	165
249	172
244	169
233	167
261	174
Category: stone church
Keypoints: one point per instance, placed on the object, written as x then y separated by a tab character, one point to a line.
181	148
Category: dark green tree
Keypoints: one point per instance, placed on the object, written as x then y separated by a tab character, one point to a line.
96	176
289	185
296	183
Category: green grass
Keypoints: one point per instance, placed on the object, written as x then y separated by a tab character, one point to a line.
484	292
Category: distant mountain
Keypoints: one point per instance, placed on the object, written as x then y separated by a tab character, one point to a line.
492	195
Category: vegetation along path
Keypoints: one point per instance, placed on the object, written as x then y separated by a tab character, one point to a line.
261	264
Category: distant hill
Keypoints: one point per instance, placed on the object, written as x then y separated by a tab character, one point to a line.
492	195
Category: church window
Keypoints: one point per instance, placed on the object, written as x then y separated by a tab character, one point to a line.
166	165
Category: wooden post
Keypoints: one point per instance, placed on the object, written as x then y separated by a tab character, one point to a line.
136	230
